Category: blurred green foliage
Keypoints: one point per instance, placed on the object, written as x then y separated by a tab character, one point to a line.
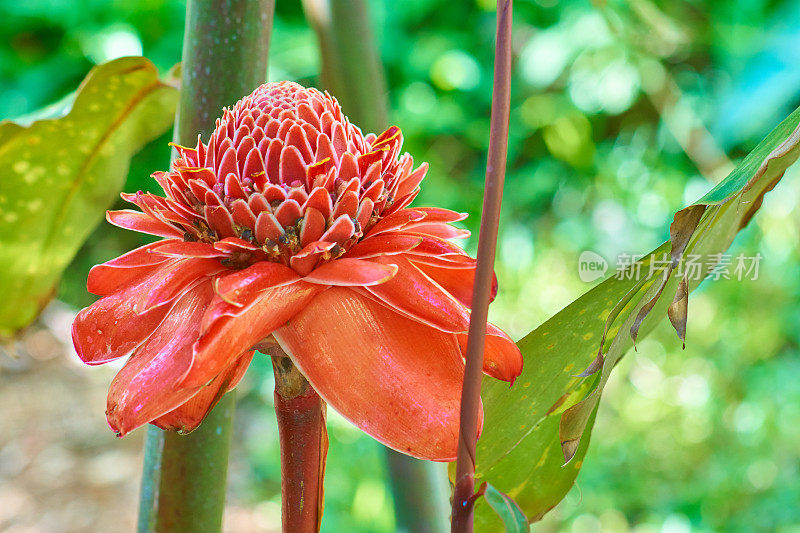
606	143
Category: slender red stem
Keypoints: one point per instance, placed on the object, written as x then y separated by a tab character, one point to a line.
304	446
487	243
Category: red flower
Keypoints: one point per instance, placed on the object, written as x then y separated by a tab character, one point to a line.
291	222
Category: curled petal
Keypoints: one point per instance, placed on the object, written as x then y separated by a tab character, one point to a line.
441	230
234	329
403	378
396	221
167	283
242	286
351	272
186	417
457	281
384	244
189	249
437	214
137	221
501	357
437	247
415	295
115	324
125	269
145	388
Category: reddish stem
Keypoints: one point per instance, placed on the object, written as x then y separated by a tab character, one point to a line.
304	446
493	195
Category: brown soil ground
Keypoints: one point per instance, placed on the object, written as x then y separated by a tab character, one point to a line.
61	468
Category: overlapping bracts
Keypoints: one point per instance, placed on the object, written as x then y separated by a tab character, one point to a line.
290	222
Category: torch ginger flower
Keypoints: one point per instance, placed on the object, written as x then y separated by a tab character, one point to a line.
290	222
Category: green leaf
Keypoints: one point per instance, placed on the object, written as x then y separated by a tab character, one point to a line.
536	432
58	176
507	509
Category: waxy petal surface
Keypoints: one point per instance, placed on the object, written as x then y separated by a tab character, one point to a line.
145	388
396	379
243	327
186	417
413	294
352	272
501	357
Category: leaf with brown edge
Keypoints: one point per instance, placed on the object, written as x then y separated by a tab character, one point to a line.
537	432
59	175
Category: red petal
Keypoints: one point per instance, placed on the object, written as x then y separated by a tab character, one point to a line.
441	230
136	221
112	327
412	181
457	281
189	249
125	269
313	226
501	357
238	329
351	272
394	378
242	286
437	214
413	294
436	247
145	388
396	221
384	244
165	285
188	416
340	231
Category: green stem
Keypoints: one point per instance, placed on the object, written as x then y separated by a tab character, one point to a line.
224	58
187	473
420	502
351	70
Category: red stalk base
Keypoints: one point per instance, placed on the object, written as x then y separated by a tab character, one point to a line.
304	447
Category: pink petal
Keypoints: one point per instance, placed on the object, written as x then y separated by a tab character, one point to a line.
501	357
351	272
136	221
189	415
394	378
145	388
415	295
237	329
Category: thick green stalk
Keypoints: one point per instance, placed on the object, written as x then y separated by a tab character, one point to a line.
185	487
224	58
225	48
351	70
464	490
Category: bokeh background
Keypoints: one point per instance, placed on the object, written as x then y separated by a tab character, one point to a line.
622	113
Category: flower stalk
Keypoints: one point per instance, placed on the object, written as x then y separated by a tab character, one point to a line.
224	56
493	195
304	446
